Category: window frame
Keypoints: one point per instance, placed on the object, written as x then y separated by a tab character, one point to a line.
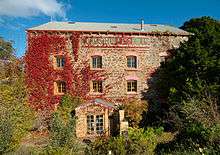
59	61
97	86
90	124
132	61
97	62
132	86
97	125
60	87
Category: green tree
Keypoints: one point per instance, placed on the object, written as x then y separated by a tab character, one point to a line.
15	114
6	49
196	64
190	80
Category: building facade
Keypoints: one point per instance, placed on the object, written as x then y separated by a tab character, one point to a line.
99	62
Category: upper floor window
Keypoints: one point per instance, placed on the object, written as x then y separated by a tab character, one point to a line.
60	87
97	86
97	62
132	86
132	62
60	61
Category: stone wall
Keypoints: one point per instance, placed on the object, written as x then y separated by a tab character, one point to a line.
149	55
81	121
115	62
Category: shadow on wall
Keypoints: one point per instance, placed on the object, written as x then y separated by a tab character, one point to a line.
157	99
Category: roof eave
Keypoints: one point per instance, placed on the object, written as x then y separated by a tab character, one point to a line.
141	32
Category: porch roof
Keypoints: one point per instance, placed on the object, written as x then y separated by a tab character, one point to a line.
97	102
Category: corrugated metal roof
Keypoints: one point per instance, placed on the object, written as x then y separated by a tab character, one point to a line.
109	27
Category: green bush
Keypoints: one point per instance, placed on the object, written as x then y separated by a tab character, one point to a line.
16	117
138	141
62	129
6	131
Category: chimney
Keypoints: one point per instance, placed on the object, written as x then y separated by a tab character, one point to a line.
142	24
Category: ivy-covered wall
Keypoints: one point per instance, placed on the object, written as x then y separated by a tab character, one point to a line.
77	73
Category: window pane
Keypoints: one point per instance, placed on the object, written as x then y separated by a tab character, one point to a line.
63	62
90	124
132	62
97	62
60	61
99	124
97	86
61	86
132	86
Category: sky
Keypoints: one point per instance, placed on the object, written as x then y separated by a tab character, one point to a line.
18	15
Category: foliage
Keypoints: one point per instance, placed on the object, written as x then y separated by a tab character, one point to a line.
195	64
6	49
203	110
16	117
41	74
200	128
138	141
62	129
67	106
5	135
134	110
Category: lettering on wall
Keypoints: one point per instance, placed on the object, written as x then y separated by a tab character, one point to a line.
115	42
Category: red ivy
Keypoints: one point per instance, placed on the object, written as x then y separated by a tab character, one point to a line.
41	75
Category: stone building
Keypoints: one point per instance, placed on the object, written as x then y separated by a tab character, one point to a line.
127	53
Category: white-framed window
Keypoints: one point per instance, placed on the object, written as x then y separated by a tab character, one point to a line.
96	62
97	86
132	86
99	124
131	61
90	124
95	124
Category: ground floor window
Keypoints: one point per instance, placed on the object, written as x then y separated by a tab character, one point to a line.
95	124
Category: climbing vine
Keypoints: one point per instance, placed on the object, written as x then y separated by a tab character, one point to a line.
41	74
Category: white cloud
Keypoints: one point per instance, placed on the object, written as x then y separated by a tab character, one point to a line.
29	8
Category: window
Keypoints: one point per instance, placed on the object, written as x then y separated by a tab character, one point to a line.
97	62
90	124
95	124
132	86
132	61
97	86
61	87
99	124
60	61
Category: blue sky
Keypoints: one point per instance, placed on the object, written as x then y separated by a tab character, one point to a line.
18	15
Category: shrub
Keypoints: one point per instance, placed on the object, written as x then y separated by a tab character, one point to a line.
134	110
138	141
6	131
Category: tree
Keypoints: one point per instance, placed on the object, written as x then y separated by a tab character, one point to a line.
190	80
15	114
6	49
195	65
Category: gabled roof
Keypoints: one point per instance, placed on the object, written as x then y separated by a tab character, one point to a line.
97	102
109	27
